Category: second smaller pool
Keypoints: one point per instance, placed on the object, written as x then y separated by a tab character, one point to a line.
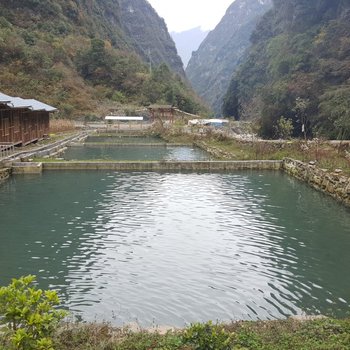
135	153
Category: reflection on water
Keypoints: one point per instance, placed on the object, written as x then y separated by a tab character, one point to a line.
177	248
134	153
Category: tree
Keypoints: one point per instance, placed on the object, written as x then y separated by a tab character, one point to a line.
231	106
284	128
334	116
300	109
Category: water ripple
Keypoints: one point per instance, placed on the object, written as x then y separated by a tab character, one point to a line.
177	248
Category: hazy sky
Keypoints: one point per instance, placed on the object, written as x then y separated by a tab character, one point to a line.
181	15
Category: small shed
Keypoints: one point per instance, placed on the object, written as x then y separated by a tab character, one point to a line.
162	112
123	118
115	118
23	121
216	123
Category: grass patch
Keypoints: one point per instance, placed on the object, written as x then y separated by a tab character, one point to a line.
327	156
47	160
320	334
61	125
323	334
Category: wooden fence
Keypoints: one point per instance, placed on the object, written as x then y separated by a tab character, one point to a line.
6	149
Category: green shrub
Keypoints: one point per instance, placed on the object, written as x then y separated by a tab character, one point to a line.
28	314
207	336
284	128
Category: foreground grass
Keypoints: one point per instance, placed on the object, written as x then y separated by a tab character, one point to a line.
320	334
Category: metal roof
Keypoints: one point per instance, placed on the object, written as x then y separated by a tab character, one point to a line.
207	121
5	98
123	118
18	102
40	106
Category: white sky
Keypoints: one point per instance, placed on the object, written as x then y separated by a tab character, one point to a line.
181	15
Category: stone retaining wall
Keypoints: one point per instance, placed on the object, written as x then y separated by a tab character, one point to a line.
4	173
333	183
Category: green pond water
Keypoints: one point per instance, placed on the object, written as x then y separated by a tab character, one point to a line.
135	153
174	248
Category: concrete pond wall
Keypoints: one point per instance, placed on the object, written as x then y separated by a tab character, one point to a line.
335	183
19	168
166	165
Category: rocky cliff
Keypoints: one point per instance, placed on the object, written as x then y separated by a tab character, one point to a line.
148	34
211	67
298	67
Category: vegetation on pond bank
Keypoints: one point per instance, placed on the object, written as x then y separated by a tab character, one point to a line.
282	335
320	334
326	155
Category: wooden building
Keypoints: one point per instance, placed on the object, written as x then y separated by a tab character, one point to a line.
23	121
162	113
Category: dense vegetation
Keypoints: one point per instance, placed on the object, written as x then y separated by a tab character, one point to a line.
325	334
83	56
298	68
212	65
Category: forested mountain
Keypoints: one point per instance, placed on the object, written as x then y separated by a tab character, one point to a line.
81	54
188	41
299	68
212	65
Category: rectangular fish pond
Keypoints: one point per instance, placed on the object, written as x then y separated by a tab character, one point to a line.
134	153
122	149
124	139
175	248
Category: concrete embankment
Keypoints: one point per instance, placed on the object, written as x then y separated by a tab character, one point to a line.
333	183
22	168
116	144
166	165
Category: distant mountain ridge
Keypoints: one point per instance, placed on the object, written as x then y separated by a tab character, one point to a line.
83	54
127	24
188	41
298	67
211	67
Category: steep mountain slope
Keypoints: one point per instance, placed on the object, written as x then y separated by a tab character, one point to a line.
299	68
212	65
148	34
81	54
188	41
